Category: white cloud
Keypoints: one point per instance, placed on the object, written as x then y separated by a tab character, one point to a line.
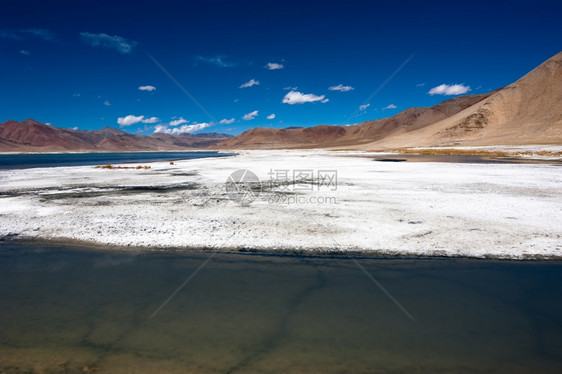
449	90
325	100
185	129
274	66
76	94
250	116
420	84
147	88
295	97
24	52
364	107
75	128
161	128
132	119
129	120
271	116
226	121
340	87
106	103
151	120
291	88
118	43
390	106
250	83
178	121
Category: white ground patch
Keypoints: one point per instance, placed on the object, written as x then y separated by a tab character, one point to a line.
478	210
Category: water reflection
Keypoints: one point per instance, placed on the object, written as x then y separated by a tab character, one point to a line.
70	310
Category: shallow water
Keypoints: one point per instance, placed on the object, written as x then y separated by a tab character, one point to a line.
35	160
71	310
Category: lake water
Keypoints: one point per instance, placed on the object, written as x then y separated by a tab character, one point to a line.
34	160
75	310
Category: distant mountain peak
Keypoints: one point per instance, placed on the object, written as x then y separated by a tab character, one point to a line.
31	135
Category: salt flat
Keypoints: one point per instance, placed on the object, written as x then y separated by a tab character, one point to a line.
421	208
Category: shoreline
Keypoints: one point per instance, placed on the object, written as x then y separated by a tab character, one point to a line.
98	247
198	150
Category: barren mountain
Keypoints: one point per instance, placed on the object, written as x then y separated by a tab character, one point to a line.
33	136
528	111
333	136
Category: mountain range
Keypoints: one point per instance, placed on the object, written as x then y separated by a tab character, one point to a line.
34	136
528	111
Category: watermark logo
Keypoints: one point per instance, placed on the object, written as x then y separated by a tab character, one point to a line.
243	187
284	186
303	180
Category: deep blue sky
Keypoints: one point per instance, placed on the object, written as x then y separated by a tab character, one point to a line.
52	70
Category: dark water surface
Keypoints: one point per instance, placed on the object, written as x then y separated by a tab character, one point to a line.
35	160
74	310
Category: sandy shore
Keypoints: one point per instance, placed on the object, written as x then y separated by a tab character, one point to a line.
405	208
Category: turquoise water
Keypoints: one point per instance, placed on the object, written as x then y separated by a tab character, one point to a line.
74	310
34	160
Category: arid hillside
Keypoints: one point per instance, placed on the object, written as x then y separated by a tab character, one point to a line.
528	111
34	136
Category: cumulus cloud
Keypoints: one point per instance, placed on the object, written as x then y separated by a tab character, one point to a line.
250	83
250	116
118	43
151	120
220	61
271	116
225	121
274	66
449	90
147	88
295	97
129	120
161	129
132	120
178	121
390	106
185	129
364	107
340	87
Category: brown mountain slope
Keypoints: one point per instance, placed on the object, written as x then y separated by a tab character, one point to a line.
33	136
265	138
410	119
334	136
528	111
31	133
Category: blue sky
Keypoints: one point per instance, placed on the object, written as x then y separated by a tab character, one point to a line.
79	64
